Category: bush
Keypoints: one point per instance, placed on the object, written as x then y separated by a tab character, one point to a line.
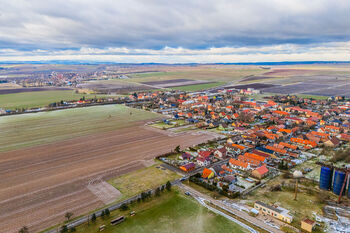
93	217
107	212
124	207
276	188
168	185
64	229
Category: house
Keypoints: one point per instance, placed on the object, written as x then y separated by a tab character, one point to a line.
188	167
203	162
307	225
230	179
234	163
333	142
252	162
220	153
186	156
275	211
207	173
260	172
205	154
251	156
345	137
237	148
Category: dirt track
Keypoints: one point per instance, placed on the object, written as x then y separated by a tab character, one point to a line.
38	185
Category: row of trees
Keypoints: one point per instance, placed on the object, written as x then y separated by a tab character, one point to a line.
106	212
224	191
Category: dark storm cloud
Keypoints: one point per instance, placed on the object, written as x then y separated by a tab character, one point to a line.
156	24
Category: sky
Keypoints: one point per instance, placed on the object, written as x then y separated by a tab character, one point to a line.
177	31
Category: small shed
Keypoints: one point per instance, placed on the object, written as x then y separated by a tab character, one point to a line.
307	224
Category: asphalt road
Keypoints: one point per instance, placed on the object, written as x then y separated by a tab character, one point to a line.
242	214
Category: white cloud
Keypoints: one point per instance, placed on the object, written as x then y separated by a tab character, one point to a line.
333	51
52	24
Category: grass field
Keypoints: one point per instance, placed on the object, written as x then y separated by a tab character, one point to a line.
306	204
198	87
146	178
171	212
38	99
39	128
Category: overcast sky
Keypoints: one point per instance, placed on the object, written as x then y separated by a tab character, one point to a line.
175	31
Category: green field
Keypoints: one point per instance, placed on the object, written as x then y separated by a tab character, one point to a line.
210	73
171	212
198	87
135	182
25	130
38	99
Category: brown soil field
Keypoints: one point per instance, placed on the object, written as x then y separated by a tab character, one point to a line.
40	184
31	89
175	83
288	72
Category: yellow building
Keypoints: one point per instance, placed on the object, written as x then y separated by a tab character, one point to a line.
275	211
307	225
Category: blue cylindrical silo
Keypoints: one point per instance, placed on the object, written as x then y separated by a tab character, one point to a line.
348	186
339	178
326	178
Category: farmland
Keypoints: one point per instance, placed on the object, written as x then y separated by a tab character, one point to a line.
304	80
38	99
49	159
40	128
198	87
113	86
171	212
210	73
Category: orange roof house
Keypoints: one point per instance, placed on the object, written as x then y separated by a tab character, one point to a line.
281	151
250	161
345	137
281	113
260	172
332	128
240	147
207	173
238	164
255	157
285	130
305	142
284	144
320	134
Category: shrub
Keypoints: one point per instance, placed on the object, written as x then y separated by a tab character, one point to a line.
93	217
124	207
107	212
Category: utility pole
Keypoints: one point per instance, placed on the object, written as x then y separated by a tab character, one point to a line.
296	189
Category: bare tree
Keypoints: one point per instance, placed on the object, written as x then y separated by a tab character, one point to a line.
68	215
24	229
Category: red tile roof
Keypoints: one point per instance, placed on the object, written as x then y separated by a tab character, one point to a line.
262	170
